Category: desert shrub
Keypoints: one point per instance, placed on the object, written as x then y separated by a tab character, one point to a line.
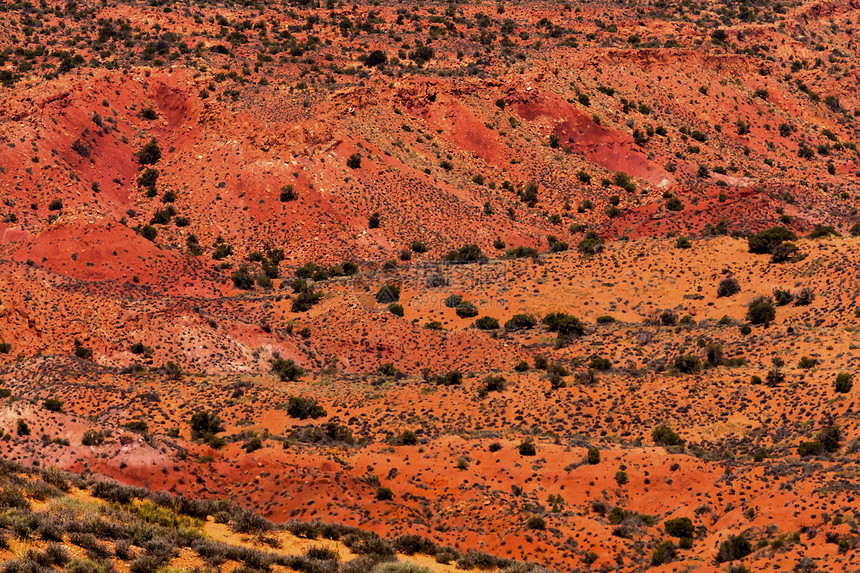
830	438
804	297
288	193
487	323
714	353
782	297
384	494
679	527
668	318
591	244
466	309
204	425
601	364
322	554
621	477
150	153
304	301
785	252
466	254
674	204
452	300
593	455
53	405
843	382
536	522
565	325
364	563
246	521
663	435
807	449
663	553
304	408
492	383
410	544
354	161
520	322
735	547
400	568
330	433
527	448
683	243
761	311
396	309
821	231
376	59
287	370
242	278
479	560
83	352
766	241
451	378
687	363
368	544
404	438
388	293
728	286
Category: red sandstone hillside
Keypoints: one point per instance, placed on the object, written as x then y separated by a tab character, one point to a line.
193	193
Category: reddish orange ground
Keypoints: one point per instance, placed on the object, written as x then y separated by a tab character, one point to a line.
570	102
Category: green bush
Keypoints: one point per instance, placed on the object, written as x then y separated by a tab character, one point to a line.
591	244
593	455
679	527
843	383
527	448
687	363
466	254
205	425
404	438
400	567
729	286
53	405
565	325
663	553
663	435
303	408
384	494
520	322
761	311
305	301
388	293
683	243
466	310
287	370
242	278
492	383
93	438
733	548
487	323
766	241
288	193
150	153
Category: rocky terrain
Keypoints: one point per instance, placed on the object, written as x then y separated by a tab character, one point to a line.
548	285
